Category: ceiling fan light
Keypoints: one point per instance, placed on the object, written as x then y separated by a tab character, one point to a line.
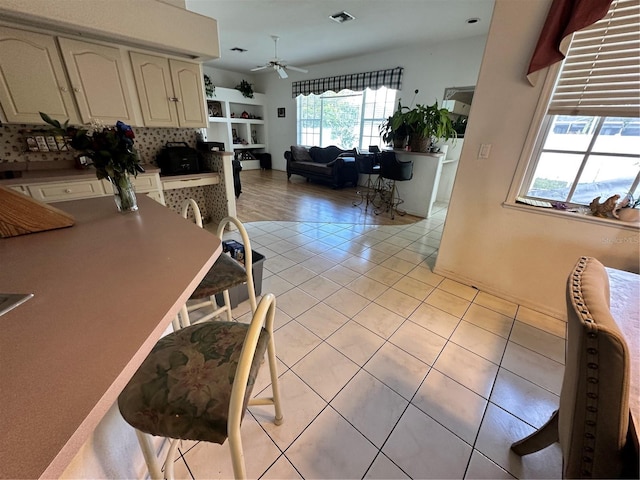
342	17
281	71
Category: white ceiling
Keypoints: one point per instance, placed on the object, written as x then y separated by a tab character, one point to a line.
308	36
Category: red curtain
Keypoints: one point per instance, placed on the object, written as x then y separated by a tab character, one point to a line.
564	18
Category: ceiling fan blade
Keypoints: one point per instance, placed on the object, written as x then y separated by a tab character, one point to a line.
297	69
281	71
259	68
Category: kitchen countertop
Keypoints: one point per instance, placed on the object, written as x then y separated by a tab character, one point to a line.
63	174
104	291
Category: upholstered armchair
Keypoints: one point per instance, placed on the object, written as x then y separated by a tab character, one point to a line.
592	421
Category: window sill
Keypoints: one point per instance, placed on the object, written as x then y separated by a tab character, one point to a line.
575	216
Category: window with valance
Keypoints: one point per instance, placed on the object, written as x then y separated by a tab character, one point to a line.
390	78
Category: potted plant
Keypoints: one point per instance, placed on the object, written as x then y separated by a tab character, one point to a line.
426	124
394	129
245	88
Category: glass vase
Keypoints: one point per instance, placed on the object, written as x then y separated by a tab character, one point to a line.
123	193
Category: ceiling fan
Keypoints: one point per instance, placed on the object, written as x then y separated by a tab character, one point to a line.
278	64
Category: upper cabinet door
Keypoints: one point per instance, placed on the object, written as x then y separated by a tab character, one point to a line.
32	78
98	80
188	88
155	91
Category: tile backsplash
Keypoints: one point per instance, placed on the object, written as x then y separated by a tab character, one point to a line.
148	143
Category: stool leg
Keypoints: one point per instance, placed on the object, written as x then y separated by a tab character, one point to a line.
170	461
149	456
392	207
359	193
275	388
395	201
227	304
237	454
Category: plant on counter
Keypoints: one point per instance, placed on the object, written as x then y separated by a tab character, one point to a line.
426	124
394	129
111	151
245	88
423	125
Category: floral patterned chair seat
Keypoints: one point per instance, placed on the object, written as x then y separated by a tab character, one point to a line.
196	384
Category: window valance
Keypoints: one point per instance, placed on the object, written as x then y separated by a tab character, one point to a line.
390	78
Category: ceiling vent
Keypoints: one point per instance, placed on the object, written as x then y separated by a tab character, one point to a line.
342	17
238	49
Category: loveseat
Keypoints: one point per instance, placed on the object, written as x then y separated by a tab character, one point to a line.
325	164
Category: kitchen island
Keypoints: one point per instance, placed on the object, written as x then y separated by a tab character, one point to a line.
419	193
104	291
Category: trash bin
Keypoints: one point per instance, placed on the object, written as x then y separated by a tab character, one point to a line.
240	293
265	160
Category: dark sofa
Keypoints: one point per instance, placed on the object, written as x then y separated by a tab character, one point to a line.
325	164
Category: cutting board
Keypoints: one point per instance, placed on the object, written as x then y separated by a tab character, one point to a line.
20	215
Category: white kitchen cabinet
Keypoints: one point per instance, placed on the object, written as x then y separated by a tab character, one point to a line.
171	91
98	80
68	190
32	78
56	189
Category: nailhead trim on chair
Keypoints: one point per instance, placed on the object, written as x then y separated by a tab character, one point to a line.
591	407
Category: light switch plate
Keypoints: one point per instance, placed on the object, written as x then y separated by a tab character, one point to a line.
485	150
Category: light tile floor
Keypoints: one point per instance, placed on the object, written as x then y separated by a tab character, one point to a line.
388	370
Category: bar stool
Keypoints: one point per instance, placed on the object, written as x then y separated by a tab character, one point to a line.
392	170
367	165
196	385
225	273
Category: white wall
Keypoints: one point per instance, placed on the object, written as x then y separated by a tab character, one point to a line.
429	68
227	78
515	254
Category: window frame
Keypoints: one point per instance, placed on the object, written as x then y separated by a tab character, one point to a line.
587	154
389	105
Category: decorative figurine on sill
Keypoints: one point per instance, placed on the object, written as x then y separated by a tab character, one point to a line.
627	210
603	209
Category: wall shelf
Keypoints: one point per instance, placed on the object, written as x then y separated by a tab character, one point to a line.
226	128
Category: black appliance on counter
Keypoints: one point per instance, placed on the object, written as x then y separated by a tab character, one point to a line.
178	158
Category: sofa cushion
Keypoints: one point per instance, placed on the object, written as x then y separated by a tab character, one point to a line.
314	168
325	154
300	154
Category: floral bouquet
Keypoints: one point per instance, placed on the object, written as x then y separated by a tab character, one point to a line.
111	151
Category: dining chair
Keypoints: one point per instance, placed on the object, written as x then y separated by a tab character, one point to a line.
592	420
196	384
223	275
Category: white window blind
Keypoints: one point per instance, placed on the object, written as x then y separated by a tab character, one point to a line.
601	73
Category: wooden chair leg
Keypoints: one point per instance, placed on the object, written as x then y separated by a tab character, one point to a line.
545	436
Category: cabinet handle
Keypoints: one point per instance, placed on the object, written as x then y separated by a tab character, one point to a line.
173	99
67	190
76	89
64	89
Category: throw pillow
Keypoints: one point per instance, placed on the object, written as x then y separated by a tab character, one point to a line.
300	154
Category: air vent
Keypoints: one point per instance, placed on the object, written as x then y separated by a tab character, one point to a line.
341	17
238	49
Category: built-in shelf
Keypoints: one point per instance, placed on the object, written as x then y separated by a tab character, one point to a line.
236	132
